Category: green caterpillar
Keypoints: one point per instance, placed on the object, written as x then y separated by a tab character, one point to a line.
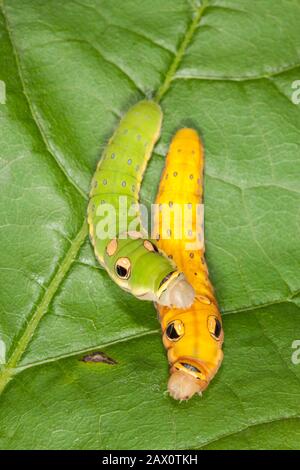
132	261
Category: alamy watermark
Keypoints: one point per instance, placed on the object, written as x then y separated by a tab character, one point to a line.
296	93
296	354
2	352
2	92
168	220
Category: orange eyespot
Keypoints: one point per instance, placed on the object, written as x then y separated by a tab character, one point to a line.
123	268
214	326
175	330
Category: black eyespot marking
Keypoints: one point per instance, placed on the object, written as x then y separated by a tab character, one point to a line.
214	326
122	272
166	278
123	268
175	330
171	332
218	329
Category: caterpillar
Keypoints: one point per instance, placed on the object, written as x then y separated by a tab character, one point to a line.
194	336
130	258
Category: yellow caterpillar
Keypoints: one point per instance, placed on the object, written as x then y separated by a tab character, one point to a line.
193	336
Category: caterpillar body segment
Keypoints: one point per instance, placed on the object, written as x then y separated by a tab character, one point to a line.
116	232
193	336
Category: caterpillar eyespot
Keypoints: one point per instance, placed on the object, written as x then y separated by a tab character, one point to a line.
123	266
118	175
195	349
175	330
214	326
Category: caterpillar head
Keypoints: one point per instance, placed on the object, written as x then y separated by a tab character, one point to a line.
138	267
194	343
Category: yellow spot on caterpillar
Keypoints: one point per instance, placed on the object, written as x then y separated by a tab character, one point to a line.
203	299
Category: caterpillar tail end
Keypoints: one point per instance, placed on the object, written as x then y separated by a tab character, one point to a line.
183	386
179	293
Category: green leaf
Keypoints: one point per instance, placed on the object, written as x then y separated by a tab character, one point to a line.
70	70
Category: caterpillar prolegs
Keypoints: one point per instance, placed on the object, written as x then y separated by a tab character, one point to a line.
193	337
132	260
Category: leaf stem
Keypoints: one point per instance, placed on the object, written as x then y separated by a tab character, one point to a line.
181	51
8	369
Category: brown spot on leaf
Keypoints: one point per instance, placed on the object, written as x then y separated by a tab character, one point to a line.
99	356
